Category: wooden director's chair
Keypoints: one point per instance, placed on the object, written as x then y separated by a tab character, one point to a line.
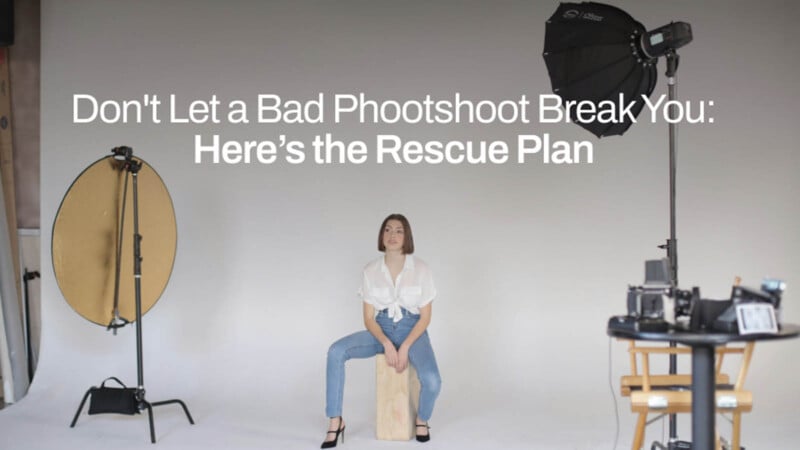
671	394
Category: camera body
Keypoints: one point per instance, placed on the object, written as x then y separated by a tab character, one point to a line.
651	302
657	299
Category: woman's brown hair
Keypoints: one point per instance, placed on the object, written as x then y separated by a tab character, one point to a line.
408	238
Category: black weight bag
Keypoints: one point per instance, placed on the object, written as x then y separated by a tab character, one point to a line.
119	400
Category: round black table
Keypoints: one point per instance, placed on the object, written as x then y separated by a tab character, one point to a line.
703	388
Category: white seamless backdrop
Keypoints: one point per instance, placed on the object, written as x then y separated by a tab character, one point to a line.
529	260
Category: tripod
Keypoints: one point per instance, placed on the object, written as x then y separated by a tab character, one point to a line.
131	167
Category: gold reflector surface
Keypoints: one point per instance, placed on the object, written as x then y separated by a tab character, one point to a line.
86	234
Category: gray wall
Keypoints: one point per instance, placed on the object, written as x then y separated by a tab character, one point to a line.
530	259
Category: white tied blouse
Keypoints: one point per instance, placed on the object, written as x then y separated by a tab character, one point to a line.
412	290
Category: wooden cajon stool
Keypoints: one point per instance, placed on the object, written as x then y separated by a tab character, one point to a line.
397	395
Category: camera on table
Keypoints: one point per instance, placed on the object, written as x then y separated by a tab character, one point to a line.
657	303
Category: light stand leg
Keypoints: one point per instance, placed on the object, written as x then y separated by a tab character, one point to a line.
180	402
80	408
152	426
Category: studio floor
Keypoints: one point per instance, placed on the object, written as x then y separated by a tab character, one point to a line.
41	421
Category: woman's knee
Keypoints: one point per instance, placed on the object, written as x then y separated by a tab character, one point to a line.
430	383
337	352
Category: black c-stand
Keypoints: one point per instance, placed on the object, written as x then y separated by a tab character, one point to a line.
671	245
132	167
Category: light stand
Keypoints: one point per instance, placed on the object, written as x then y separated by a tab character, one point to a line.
596	52
132	167
671	245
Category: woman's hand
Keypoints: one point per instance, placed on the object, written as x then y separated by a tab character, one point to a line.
390	353
402	359
372	326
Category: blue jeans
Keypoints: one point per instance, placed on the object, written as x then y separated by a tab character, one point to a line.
363	344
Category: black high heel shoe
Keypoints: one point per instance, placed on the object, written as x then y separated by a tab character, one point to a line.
424	437
332	443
